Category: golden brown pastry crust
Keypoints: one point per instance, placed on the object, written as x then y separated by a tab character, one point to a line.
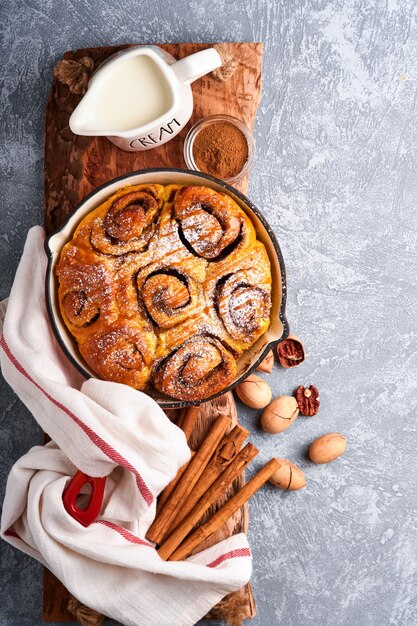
166	286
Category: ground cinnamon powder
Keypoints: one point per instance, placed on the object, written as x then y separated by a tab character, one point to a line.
220	149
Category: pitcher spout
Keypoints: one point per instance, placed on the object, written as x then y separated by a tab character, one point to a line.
82	120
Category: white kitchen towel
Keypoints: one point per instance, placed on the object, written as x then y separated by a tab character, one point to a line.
102	429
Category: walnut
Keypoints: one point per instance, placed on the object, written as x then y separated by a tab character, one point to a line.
290	352
308	400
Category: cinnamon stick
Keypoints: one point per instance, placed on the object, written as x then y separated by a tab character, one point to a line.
211	495
188	420
171	486
223	514
226	451
192	473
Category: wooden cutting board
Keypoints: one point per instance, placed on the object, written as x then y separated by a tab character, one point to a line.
75	165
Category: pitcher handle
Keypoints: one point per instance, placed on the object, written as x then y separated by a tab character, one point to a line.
190	68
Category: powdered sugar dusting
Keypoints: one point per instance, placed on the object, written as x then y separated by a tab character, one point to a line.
137	302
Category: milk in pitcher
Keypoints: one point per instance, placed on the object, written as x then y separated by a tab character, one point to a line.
131	95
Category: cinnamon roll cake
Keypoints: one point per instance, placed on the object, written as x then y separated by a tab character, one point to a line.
166	286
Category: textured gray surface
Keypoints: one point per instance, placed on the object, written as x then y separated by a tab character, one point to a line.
336	175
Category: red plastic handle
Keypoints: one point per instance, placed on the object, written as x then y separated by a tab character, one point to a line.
88	515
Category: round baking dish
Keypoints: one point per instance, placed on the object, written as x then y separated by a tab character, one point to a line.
251	358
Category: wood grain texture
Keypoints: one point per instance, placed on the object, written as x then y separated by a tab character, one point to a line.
76	165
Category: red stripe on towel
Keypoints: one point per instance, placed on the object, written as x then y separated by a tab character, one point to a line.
12	533
96	439
239	552
126	534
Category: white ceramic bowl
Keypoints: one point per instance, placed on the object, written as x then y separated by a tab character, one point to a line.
251	358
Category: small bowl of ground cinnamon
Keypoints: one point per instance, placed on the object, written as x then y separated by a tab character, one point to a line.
220	145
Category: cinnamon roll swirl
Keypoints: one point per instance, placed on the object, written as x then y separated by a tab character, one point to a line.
211	224
170	293
86	291
127	222
122	352
201	367
242	297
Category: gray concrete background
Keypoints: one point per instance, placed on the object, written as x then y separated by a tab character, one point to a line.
335	173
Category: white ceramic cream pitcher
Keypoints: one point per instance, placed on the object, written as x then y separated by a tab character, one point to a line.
141	98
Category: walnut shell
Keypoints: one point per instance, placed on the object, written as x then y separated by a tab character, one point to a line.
288	476
267	364
254	392
291	352
327	448
279	414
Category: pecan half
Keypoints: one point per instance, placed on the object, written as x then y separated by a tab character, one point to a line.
290	352
308	400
